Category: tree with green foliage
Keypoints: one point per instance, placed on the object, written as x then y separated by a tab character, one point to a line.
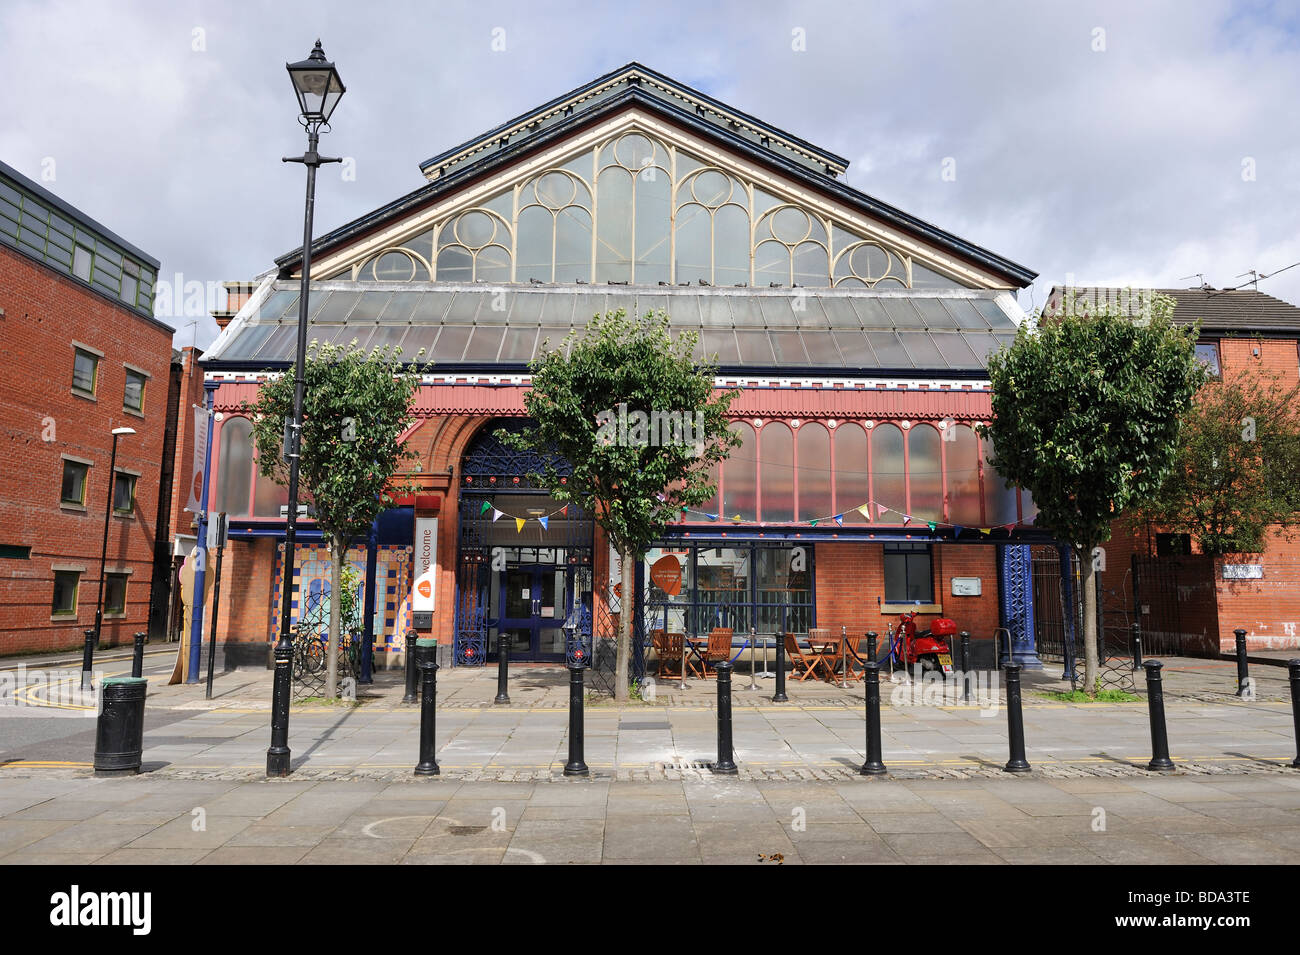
640	424
1086	417
356	407
1235	473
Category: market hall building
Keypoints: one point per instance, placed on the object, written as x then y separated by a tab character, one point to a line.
857	334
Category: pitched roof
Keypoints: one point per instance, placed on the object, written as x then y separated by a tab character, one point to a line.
634	85
948	332
1218	310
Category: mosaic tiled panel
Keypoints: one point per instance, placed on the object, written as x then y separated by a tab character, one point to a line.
311	576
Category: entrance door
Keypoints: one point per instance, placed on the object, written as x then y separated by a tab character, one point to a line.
535	600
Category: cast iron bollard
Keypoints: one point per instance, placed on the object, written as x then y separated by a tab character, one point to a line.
119	730
871	676
1160	761
426	650
965	662
1015	723
87	656
871	646
1135	639
412	675
1294	668
577	765
779	696
726	765
503	670
137	656
1243	666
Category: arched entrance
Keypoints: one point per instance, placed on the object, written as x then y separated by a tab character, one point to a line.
524	559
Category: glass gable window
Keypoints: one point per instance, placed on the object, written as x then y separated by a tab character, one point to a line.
1207	353
641	211
909	574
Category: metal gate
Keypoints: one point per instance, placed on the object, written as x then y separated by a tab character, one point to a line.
1175	603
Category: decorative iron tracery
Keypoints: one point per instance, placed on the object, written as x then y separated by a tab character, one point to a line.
669	217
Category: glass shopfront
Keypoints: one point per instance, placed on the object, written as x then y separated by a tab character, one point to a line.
743	585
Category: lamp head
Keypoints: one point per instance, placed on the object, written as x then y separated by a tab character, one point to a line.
317	85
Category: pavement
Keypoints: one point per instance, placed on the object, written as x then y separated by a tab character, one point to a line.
653	795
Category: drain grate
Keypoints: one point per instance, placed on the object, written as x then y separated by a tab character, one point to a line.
465	830
688	765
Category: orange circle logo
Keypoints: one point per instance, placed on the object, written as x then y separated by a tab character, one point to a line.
424	588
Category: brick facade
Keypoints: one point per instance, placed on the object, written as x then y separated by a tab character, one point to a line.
42	419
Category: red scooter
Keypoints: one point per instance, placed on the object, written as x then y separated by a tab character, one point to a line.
932	648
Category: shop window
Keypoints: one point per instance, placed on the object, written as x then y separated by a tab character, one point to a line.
852	489
814	446
65	592
888	479
909	574
123	493
962	475
235	476
776	472
115	593
924	473
73	490
740	476
999	500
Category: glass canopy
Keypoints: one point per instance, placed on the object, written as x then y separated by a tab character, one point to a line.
474	325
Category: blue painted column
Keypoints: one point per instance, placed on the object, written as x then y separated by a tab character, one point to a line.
368	608
196	627
1016	602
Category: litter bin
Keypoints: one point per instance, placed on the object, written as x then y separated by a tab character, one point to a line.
119	732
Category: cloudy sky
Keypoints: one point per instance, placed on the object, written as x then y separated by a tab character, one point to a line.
1118	143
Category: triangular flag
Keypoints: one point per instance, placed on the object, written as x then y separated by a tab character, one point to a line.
880	510
686	510
735	519
519	524
564	511
907	519
956	531
712	517
985	531
865	511
495	515
813	522
931	525
542	521
484	509
1009	527
839	519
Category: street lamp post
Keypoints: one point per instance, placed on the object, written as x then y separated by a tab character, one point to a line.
319	89
103	554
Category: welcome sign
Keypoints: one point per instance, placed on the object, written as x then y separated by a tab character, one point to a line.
426	565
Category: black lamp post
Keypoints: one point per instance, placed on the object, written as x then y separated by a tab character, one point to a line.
319	89
103	554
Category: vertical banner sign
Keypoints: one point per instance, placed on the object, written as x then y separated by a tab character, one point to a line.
426	566
200	457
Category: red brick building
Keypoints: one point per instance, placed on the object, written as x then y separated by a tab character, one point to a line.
1186	601
856	332
83	355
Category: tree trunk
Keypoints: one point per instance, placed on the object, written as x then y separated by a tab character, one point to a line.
336	612
1091	681
626	605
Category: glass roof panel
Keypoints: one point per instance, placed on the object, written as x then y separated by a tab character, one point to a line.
451	343
856	350
715	311
779	312
840	312
901	313
433	308
984	345
248	342
889	350
556	309
965	314
485	343
821	350
650	302
684	310
420	336
722	342
955	351
400	307
922	350
995	316
389	335
519	345
789	348
755	349
282	343
934	314
277	305
370	307
337	306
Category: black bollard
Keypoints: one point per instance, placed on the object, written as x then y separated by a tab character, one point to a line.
966	675
1015	722
576	766
87	658
503	669
137	656
1135	638
871	646
412	675
426	652
779	696
1294	668
1243	667
726	765
871	677
119	731
1160	761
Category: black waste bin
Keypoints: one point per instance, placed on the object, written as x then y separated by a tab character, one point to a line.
119	733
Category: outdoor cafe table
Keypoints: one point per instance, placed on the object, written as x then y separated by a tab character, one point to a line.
833	644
